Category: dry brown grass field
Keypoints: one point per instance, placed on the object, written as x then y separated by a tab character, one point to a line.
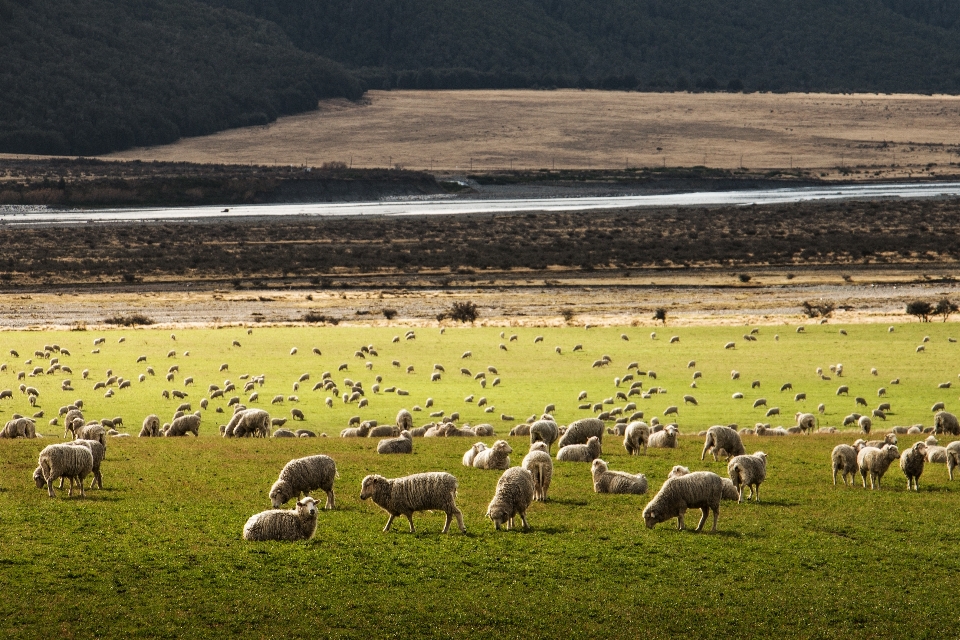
895	135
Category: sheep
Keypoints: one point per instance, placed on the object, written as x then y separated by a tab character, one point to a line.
772	411
417	492
636	435
759	402
748	471
698	490
843	390
472	453
513	496
496	457
291	525
875	462
879	444
580	431
404	420
720	438
401	444
98	451
303	475
520	430
580	452
686	400
953	457
545	431
151	427
183	425
666	439
864	423
383	431
945	422
806	421
540	466
63	461
606	481
911	463
844	460
93	431
19	428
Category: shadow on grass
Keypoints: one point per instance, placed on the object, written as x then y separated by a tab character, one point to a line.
568	501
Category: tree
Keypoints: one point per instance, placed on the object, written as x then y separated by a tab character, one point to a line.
661	315
822	310
920	308
945	308
463	312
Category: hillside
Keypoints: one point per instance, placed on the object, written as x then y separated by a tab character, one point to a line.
91	76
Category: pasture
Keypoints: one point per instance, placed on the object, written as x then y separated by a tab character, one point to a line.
157	553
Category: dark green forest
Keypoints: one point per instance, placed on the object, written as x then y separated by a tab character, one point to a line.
90	76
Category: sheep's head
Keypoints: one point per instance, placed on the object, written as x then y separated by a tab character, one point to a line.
38	478
892	452
678	471
498	514
598	466
280	493
762	456
539	446
920	447
370	485
502	446
307	506
652	517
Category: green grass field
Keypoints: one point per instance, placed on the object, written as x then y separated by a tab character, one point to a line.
158	553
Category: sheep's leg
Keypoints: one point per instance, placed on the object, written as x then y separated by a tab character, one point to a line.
706	447
680	521
705	511
523	519
389	522
330	501
80	484
835	478
459	516
756	493
410	518
739	488
60	486
863	476
50	487
716	514
446	523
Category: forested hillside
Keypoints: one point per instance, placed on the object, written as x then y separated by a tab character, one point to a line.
91	76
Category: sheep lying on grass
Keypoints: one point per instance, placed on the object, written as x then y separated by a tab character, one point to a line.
512	497
280	524
748	471
496	457
665	439
303	475
606	481
63	461
698	490
472	453
540	465
875	462
401	444
719	439
417	492
580	452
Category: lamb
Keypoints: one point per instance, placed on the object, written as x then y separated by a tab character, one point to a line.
299	523
496	457
151	427
945	422
472	453
580	452
748	471
514	493
401	444
875	462
183	425
303	475
417	492
698	490
911	463
63	461
540	466
545	431
844	460
637	435
606	481
580	431
666	439
953	457
806	421
720	438
99	451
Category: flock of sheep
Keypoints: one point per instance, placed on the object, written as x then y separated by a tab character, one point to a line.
517	487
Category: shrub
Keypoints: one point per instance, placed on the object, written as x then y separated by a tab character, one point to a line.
568	315
920	308
389	314
744	277
660	315
136	319
945	308
315	316
463	312
814	310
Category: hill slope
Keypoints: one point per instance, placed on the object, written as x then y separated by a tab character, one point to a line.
90	76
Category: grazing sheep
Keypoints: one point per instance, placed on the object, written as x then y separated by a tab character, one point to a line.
698	490
806	421
417	492
665	439
721	438
299	523
540	466
844	460
864	423
748	471
183	425
93	431
580	452
936	454
19	428
151	427
636	435
606	481
404	420
496	457
875	462
99	451
759	402
953	457
911	463
401	444
945	422
545	431
513	496
63	461
303	475
772	411
580	431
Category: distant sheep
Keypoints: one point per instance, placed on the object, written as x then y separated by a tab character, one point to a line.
806	421
404	420
748	471
303	475
512	497
545	431
151	427
580	431
417	492
721	438
698	490
606	481
299	523
581	452
183	425
540	466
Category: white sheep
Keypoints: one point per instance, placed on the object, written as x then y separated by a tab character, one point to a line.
183	425
299	523
303	475
843	459
404	420
875	462
512	497
606	481
545	431
63	461
722	438
417	492
580	431
636	435
748	471
540	465
953	457
806	421
945	422
665	439
698	490
98	451
151	427
911	463
401	444
472	453
496	457
581	452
